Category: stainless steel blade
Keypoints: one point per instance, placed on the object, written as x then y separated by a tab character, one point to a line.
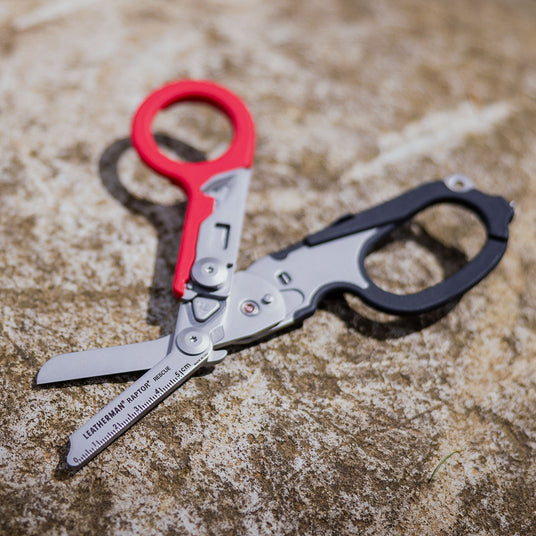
104	361
192	346
122	412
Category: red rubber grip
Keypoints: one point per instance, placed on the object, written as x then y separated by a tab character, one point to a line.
191	176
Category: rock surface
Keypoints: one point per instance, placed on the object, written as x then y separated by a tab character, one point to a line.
336	427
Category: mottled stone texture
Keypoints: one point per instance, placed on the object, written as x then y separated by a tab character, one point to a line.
334	428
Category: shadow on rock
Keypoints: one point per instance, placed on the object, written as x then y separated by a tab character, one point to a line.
62	471
167	220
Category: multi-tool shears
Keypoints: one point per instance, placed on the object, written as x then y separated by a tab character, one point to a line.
219	307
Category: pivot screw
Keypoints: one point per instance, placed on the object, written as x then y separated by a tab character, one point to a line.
210	272
249	308
192	341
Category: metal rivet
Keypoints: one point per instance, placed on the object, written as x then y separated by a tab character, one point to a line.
210	272
459	183
267	299
249	308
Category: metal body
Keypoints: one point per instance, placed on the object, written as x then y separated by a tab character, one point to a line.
220	307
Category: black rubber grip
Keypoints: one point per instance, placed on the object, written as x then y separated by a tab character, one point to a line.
437	295
495	213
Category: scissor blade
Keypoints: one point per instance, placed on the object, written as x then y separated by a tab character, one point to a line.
104	361
122	412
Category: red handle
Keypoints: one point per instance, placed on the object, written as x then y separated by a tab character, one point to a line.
191	176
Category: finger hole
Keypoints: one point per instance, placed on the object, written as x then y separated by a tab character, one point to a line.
198	125
431	247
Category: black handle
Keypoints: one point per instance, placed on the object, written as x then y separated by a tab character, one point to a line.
437	295
494	211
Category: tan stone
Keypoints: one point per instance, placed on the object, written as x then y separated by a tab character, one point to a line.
336	427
